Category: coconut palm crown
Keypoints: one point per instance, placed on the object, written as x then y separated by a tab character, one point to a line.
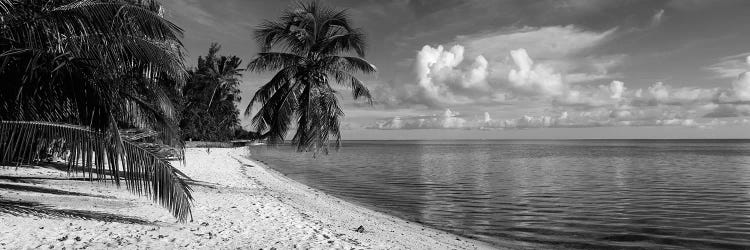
77	72
310	47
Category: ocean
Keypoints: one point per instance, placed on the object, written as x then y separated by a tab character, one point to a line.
658	194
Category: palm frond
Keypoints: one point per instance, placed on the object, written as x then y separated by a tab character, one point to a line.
274	34
130	33
101	156
131	18
341	43
266	61
358	88
336	19
5	6
349	63
143	114
266	91
319	120
275	115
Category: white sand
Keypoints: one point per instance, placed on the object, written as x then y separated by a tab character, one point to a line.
239	203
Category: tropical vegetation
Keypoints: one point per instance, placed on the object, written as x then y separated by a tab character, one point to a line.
210	97
103	85
310	47
94	76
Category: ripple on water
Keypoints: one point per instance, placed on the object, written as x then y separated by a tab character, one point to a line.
570	194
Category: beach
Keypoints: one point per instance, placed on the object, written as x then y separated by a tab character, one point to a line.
239	203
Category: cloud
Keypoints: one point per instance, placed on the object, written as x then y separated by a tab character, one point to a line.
593	96
729	110
452	120
532	78
545	42
497	68
603	105
663	94
554	76
731	66
447	120
741	87
594	118
443	76
542	80
657	18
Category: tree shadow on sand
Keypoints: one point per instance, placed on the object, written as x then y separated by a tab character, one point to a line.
38	179
24	188
75	170
21	208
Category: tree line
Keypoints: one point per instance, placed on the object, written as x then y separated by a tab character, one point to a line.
208	101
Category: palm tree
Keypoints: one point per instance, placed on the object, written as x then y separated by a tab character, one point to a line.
225	71
80	71
311	47
211	95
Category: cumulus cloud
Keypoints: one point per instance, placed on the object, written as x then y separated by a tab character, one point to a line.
534	78
444	76
741	87
660	93
602	105
601	95
552	72
497	68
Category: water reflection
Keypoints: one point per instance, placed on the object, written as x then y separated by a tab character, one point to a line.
578	194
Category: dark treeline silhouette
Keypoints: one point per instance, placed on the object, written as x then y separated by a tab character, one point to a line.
209	99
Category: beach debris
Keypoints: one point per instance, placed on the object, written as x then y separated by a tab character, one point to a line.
204	224
360	229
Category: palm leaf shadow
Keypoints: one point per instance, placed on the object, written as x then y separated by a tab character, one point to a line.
21	208
103	157
43	190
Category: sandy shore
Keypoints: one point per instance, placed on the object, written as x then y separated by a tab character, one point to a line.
239	203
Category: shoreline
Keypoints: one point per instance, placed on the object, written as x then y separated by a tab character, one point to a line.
239	203
362	209
384	212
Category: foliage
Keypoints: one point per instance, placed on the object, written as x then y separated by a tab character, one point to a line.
95	65
210	98
101	156
309	47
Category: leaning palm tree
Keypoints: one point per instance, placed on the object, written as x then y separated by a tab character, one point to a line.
310	46
77	72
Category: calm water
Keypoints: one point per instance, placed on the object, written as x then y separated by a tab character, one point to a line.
555	194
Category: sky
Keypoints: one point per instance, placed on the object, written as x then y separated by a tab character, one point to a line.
517	69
